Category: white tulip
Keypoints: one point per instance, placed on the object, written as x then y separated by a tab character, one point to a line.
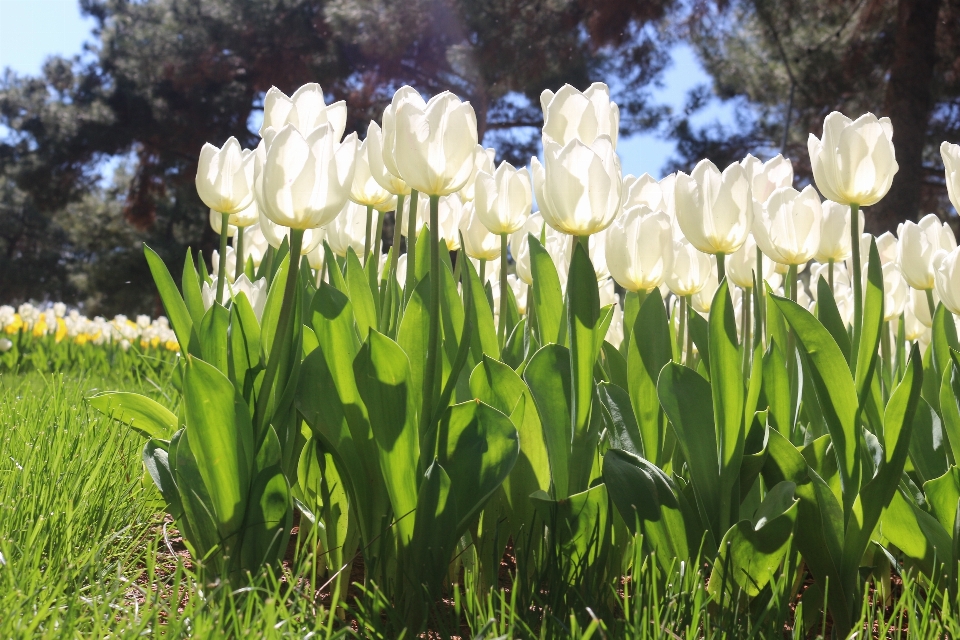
378	169
895	292
767	177
231	266
742	263
306	180
921	306
608	292
950	153
691	268
365	189
483	162
702	300
274	235
835	232
918	245
306	110
348	231
436	143
254	244
639	248
714	210
556	244
478	242
216	223
578	187
841	277
225	177
449	212
570	115
913	327
503	198
948	282
404	94
787	226
491	270
615	331
855	162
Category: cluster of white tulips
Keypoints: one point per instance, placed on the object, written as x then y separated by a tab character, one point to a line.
681	234
57	322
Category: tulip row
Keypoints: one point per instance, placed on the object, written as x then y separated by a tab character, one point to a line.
448	415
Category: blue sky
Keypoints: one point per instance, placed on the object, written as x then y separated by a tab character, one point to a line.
32	30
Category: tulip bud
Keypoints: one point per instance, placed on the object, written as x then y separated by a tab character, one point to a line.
855	162
274	235
365	189
305	110
742	264
478	242
646	190
787	226
483	162
691	268
639	248
951	166
578	187
948	282
436	143
306	180
917	246
225	177
503	198
570	115
714	210
404	94
767	177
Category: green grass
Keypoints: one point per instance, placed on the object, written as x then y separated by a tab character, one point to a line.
85	555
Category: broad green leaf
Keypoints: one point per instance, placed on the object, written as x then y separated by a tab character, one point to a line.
685	397
361	297
190	285
622	429
614	364
872	325
647	354
547	297
776	389
752	550
513	352
919	537
499	386
942	495
835	389
414	336
140	413
270	513
333	268
727	387
157	462
950	409
221	440
927	445
479	446
213	337
829	316
700	332
180	318
548	377
632	302
271	310
244	353
650	503
581	522
434	539
383	378
583	327
199	522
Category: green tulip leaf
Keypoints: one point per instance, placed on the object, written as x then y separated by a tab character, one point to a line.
548	377
213	337
361	297
547	295
829	316
649	351
190	285
140	413
180	318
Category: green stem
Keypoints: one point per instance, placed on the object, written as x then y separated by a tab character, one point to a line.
931	304
901	348
721	271
686	312
502	330
411	243
760	284
221	271
283	328
394	259
682	312
886	366
857	284
367	235
239	253
268	271
793	281
378	239
830	276
483	272
433	341
461	256
745	303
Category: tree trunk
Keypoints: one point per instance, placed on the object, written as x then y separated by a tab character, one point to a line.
908	102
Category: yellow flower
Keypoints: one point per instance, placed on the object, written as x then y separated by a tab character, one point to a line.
40	328
81	339
61	329
172	345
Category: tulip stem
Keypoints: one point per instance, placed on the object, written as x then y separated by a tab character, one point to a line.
411	244
222	267
689	338
378	239
745	324
721	272
829	275
857	284
682	312
483	272
886	366
238	251
394	260
283	328
367	235
502	330
456	268
433	342
901	347
793	281
931	304
759	285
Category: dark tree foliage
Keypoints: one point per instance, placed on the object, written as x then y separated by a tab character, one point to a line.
789	63
161	77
